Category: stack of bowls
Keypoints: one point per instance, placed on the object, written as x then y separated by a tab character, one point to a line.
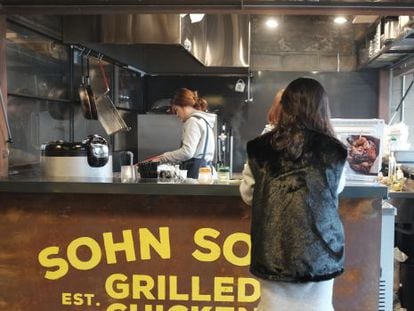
148	169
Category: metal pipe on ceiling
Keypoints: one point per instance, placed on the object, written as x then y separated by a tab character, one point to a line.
67	7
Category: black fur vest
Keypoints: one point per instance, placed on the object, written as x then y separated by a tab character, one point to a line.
297	235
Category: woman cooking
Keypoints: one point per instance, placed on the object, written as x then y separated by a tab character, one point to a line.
197	140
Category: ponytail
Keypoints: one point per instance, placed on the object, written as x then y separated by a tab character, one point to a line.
185	97
200	103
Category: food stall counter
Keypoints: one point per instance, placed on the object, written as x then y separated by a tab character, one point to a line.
106	245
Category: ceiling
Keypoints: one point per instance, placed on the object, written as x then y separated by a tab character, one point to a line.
293	7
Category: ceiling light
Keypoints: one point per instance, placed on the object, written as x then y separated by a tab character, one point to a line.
340	20
271	23
195	18
11	35
364	19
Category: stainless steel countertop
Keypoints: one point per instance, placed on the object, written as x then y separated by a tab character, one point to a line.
36	184
401	195
407	193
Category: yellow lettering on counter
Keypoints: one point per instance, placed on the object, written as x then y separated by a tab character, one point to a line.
92	262
174	295
66	299
161	246
61	264
149	307
213	250
115	286
195	290
178	308
162	287
223	289
242	292
142	284
117	307
148	243
126	246
228	246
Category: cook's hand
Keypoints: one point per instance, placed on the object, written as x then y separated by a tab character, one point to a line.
152	159
155	159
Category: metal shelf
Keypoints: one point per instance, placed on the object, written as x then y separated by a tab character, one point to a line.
28	96
393	51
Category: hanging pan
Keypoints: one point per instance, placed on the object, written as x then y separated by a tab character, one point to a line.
83	95
108	115
91	96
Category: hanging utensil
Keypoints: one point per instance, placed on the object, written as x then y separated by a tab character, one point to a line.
108	115
3	108
93	112
83	94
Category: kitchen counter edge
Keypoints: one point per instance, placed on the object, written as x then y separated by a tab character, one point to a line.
153	188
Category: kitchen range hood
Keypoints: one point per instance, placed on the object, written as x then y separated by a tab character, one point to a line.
164	42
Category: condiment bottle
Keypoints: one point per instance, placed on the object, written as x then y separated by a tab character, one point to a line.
398	182
399	174
204	175
392	168
223	174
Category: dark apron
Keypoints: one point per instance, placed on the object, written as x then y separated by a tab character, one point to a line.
193	165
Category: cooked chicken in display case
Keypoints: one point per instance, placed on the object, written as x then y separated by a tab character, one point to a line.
363	151
363	138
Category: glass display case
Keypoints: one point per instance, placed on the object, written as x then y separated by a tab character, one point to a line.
129	89
38	92
36	65
364	140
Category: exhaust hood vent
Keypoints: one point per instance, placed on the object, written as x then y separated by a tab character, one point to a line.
215	41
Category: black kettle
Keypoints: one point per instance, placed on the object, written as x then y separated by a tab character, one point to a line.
97	150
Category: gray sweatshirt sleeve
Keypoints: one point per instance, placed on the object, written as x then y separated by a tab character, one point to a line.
247	185
191	136
342	182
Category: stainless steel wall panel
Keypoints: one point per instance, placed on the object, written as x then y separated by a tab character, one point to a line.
218	40
141	28
157	133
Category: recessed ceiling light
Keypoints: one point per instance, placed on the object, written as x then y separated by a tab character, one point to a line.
196	17
340	20
271	23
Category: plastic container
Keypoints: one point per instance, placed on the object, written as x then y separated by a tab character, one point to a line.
128	173
392	169
223	174
166	173
148	169
204	175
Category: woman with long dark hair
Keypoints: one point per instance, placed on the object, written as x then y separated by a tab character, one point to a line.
292	180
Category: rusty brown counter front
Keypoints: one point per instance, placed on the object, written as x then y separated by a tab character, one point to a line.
171	250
